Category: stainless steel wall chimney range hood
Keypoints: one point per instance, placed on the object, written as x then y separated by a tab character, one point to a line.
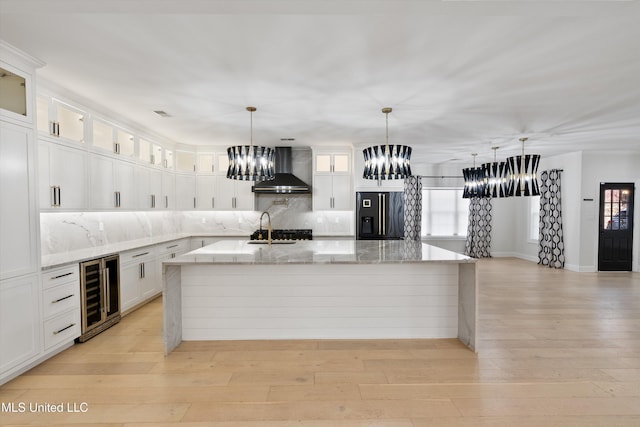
285	181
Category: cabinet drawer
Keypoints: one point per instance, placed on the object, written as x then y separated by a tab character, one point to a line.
175	247
63	328
137	255
66	274
60	299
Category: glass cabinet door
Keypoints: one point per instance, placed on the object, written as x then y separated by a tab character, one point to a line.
103	135
70	122
125	143
14	92
205	163
144	151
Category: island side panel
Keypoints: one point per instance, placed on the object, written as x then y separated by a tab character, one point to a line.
467	305
319	301
172	306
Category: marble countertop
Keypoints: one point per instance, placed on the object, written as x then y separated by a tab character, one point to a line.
347	251
59	259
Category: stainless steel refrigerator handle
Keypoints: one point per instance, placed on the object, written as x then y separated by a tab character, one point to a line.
107	289
379	214
384	214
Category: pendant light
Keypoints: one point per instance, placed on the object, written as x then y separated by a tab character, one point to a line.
249	163
496	177
523	179
474	185
387	161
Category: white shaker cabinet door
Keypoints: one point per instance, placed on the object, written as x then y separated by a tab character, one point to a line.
206	197
19	321
102	182
18	247
125	185
62	177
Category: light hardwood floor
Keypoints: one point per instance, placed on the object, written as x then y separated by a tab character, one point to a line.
557	349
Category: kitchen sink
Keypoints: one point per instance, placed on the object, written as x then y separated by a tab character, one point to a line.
273	242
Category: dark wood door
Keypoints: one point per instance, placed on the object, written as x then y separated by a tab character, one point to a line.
616	227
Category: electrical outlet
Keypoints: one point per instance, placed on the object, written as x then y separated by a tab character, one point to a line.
100	226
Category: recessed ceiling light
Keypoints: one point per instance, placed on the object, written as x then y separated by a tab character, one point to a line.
162	113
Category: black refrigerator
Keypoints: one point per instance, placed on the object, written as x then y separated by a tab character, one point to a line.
379	215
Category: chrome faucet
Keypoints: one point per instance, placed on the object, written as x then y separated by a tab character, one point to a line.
268	226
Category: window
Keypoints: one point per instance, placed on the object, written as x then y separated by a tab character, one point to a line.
444	212
534	217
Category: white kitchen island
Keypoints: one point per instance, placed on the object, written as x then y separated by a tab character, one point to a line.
319	289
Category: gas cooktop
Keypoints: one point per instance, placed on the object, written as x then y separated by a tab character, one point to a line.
283	234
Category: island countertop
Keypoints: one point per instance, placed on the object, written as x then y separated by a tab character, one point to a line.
339	251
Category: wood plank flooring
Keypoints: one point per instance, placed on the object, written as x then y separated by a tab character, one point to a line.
557	348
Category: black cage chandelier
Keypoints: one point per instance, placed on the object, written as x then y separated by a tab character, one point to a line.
474	185
249	163
387	161
496	176
523	170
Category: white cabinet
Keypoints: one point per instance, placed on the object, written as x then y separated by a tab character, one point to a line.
332	192
61	322
213	163
234	195
60	120
201	242
332	179
332	163
149	188
19	322
112	139
206	191
149	153
112	183
62	176
138	277
185	192
18	216
168	190
185	161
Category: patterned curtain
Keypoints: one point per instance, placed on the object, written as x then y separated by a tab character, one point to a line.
412	199
479	229
550	243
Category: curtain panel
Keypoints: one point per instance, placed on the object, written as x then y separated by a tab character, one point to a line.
550	242
412	207
478	243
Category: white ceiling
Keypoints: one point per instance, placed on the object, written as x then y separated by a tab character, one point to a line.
461	76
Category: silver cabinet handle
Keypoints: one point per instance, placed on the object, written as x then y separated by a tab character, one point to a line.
194	203
166	163
61	299
53	196
140	254
64	329
62	275
152	159
166	201
59	196
141	270
153	201
213	205
172	246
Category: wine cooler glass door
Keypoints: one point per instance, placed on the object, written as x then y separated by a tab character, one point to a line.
92	293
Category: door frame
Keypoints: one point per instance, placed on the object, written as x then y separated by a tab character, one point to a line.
630	218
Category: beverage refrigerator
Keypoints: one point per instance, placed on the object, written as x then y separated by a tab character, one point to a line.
379	215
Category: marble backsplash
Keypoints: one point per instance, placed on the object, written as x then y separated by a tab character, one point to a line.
69	231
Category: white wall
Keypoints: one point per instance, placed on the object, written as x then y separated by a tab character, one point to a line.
581	177
600	167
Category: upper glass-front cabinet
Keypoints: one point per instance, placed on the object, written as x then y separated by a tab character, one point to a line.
60	120
333	163
13	88
185	161
125	144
